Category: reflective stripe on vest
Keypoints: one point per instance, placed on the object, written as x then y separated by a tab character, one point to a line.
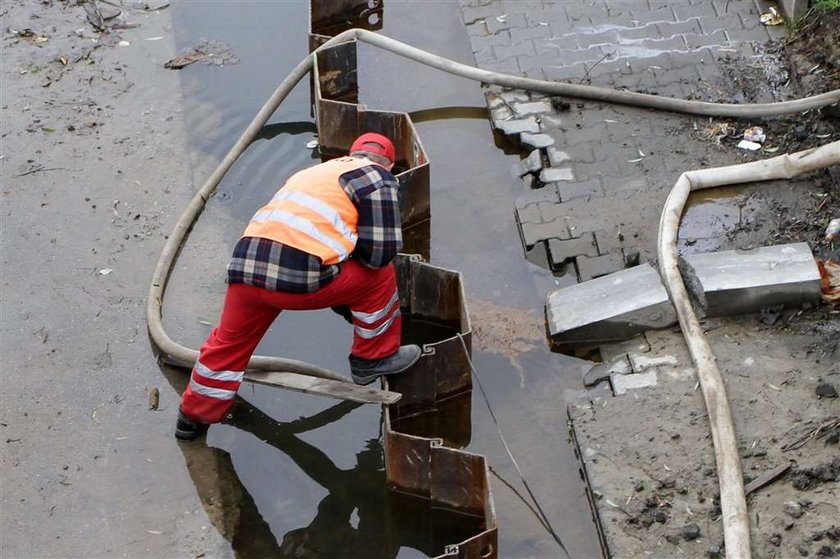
312	213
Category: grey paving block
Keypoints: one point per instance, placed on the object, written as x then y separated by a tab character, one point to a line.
636	344
475	13
532	233
503	52
546	195
566	73
538	254
501	38
589	55
561	251
622	383
528	214
642	17
714	39
608	242
668	29
550	122
533	162
516	96
532	108
517	125
505	21
573	190
536	140
556	156
557	44
586	40
529	33
609	308
683	11
598	266
509	66
555	174
603	371
501	113
741	282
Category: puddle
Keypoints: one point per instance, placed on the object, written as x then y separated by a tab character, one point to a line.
321	486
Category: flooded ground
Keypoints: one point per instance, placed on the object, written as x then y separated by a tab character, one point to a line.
314	485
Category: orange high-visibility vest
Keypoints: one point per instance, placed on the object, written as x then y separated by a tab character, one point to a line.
312	213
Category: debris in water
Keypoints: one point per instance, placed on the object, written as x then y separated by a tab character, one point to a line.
771	17
312	144
124	43
105	271
208	52
755	134
748	145
154	399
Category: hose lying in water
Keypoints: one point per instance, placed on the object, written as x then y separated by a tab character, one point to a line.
736	524
177	353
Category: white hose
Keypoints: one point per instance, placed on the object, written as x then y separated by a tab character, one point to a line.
176	352
736	524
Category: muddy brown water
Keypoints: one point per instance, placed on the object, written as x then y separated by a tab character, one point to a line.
320	490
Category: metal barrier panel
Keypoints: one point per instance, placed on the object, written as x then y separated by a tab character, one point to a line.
424	430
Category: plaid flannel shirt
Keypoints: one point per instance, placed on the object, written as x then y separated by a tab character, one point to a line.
277	267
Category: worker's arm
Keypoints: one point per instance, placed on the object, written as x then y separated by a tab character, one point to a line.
375	192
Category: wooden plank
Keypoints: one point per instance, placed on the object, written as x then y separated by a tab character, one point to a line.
323	387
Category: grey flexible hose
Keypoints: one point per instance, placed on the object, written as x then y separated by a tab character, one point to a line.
178	353
736	524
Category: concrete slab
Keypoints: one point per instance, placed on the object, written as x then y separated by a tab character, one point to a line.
744	282
613	307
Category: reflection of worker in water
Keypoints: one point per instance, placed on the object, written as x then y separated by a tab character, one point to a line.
335	531
326	239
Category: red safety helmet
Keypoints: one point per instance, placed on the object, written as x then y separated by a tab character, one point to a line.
386	149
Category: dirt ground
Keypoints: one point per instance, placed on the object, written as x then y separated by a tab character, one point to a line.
94	170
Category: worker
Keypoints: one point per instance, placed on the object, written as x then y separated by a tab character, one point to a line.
326	239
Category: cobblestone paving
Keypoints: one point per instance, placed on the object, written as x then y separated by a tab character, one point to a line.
597	174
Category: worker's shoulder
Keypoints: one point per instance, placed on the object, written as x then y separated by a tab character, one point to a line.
372	174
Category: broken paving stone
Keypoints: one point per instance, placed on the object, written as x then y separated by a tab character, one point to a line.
602	371
599	266
517	126
690	532
826	390
622	383
550	122
555	175
533	162
775	539
556	157
533	108
792	509
536	140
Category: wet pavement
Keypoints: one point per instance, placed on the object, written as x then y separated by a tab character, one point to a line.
473	230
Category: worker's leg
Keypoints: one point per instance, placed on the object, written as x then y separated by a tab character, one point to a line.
224	356
374	304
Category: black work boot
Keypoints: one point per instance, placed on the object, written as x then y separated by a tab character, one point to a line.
187	429
365	371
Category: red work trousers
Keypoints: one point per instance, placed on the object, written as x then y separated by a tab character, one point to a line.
249	311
